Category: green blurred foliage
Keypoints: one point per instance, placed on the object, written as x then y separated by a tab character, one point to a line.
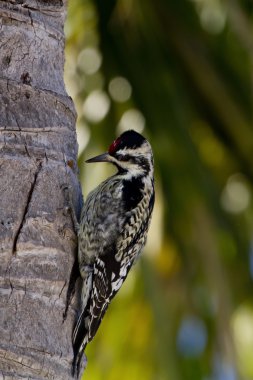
181	72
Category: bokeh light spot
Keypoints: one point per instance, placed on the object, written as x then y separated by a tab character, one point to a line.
212	14
192	337
213	17
89	60
120	89
236	196
242	323
131	119
96	106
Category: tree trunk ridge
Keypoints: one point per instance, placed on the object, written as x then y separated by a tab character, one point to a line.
38	152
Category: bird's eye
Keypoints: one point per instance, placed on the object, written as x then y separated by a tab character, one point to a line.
123	157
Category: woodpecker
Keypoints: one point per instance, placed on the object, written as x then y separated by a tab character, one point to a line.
112	232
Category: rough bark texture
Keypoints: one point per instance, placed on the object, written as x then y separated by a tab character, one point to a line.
37	156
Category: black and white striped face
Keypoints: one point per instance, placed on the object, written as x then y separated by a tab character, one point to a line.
131	153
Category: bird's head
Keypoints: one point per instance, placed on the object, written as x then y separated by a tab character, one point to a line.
131	153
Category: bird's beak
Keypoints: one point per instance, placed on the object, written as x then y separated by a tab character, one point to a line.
105	157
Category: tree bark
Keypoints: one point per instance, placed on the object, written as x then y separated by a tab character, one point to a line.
38	152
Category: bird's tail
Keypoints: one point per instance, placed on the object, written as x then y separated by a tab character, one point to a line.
85	330
80	340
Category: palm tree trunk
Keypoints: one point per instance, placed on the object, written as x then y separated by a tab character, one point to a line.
38	151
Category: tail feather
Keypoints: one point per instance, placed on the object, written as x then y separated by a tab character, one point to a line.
85	329
80	340
79	365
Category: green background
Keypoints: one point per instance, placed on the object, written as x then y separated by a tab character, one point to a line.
181	73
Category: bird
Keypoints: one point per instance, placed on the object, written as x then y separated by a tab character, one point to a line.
112	232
